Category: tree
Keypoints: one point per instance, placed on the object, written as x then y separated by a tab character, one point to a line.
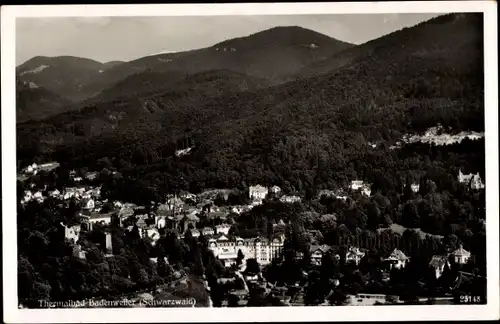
234	231
239	257
410	216
252	266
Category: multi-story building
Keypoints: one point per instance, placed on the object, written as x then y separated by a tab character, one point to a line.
261	249
439	262
317	252
474	180
354	255
397	259
258	192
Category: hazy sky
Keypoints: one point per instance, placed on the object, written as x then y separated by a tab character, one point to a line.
126	38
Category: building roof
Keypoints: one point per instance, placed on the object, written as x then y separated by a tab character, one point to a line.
323	248
355	250
397	255
258	188
460	252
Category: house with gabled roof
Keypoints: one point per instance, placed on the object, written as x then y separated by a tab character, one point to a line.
88	203
153	234
71	233
460	255
317	252
55	193
223	228
258	192
438	263
473	179
275	190
354	254
397	259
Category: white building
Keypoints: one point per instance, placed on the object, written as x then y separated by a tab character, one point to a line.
275	190
38	196
474	180
91	175
317	252
72	233
397	259
109	244
27	196
354	255
30	168
93	218
223	229
360	185
153	234
415	187
55	193
89	204
356	184
258	192
439	262
195	233
161	222
208	231
263	250
460	255
290	199
237	209
70	193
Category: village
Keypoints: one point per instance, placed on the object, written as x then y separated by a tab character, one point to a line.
245	258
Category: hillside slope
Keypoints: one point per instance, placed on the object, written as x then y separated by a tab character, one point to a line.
67	76
268	54
295	129
35	103
422	41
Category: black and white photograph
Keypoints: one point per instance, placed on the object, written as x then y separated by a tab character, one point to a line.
174	161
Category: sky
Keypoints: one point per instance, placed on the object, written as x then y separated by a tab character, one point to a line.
107	39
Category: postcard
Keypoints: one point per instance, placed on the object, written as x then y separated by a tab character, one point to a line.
194	162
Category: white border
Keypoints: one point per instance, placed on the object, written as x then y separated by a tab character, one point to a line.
293	314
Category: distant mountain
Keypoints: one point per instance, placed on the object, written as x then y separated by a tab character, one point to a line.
268	54
145	112
427	40
67	76
34	102
406	81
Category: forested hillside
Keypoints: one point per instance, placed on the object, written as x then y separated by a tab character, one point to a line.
35	102
289	132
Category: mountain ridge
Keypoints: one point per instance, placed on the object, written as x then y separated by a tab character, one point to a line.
79	79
